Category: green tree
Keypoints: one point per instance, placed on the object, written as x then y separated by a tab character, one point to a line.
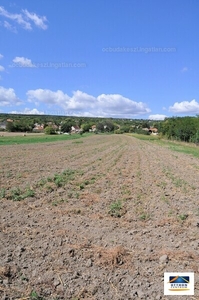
109	126
65	127
86	126
10	126
49	130
100	126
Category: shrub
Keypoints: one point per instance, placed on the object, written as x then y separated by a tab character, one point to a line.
49	130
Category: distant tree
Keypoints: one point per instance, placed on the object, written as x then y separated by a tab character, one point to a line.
66	126
49	130
10	126
125	128
145	124
180	128
86	126
100	126
109	126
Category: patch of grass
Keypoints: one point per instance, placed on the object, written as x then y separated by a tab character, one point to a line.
183	217
115	209
41	183
16	194
39	138
59	180
178	182
9	174
28	193
49	187
77	195
82	186
2	193
126	191
60	201
144	216
187	149
78	142
138	174
144	137
35	296
87	182
165	199
174	146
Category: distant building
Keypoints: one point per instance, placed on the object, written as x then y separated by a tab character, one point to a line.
3	125
75	129
38	127
153	130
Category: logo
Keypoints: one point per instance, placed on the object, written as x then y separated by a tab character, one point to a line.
178	283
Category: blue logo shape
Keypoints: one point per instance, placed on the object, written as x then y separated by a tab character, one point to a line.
178	279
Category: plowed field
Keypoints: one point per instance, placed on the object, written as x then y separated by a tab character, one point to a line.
96	218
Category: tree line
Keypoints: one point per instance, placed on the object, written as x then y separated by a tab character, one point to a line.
181	128
177	128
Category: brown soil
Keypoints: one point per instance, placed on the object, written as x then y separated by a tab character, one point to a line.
96	218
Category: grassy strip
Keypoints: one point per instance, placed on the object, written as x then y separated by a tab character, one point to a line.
144	137
174	146
28	139
193	150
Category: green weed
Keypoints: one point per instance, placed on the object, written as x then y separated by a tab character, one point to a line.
16	194
2	193
183	217
35	296
144	216
115	209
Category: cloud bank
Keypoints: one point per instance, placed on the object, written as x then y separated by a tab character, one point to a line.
80	103
185	107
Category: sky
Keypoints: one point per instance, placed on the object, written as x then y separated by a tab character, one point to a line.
134	59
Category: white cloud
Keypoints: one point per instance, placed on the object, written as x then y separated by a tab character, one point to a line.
1	56
8	97
2	68
38	20
23	19
23	62
10	27
28	111
191	107
185	69
48	97
112	105
157	117
19	18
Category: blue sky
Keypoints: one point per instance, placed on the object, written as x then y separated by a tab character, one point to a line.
117	58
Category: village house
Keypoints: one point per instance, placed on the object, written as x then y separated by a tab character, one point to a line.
38	127
93	128
153	130
75	129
